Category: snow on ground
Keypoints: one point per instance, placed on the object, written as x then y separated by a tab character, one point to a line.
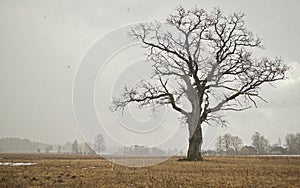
15	164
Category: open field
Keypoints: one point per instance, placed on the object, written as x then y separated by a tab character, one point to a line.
93	171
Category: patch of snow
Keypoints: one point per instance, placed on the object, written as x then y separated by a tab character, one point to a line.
15	164
85	168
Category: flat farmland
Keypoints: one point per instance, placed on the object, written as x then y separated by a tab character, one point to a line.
93	171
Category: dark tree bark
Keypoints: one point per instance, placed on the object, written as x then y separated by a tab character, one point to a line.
195	144
208	56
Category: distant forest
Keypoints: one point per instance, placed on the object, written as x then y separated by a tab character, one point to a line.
233	145
224	145
17	145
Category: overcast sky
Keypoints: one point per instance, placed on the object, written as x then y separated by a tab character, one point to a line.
43	43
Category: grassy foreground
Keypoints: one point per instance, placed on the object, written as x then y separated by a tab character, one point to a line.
93	171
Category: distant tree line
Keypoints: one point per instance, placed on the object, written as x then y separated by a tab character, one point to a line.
293	143
137	150
225	145
17	145
85	148
233	145
228	144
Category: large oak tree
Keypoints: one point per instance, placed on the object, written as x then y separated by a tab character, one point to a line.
206	58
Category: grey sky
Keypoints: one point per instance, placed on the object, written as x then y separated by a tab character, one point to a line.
43	42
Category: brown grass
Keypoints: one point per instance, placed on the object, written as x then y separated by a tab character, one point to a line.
93	171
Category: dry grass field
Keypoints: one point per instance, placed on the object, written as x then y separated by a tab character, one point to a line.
93	171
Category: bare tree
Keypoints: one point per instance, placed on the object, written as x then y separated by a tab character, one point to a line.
219	145
227	143
99	144
236	143
206	58
293	143
260	143
75	148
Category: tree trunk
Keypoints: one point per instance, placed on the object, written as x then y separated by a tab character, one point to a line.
195	143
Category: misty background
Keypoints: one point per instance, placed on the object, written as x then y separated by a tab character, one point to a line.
43	43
